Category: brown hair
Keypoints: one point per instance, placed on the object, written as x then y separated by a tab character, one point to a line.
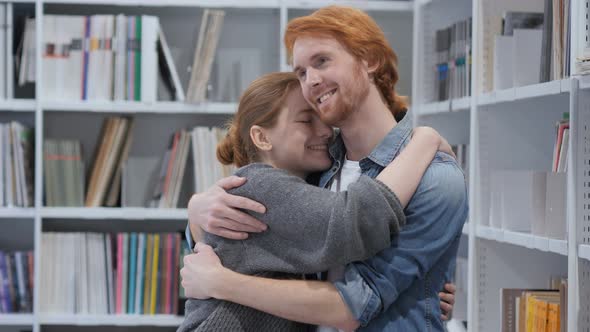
260	104
361	36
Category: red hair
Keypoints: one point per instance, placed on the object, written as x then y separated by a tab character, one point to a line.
360	35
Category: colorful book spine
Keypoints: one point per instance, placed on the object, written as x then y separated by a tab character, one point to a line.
148	274
118	295
132	272
140	273
87	21
154	278
137	85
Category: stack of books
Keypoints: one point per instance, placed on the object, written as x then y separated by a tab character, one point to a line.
16	165
535	309
122	273
100	57
453	67
16	281
63	173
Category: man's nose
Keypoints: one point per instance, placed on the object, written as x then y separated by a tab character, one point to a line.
313	77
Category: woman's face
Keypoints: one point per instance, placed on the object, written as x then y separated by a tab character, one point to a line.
299	139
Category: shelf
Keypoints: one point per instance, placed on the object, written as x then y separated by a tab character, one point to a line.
17	213
523	240
525	92
17	105
174	3
447	106
294	4
364	5
584	251
16	319
118	320
435	107
139	107
114	213
465	230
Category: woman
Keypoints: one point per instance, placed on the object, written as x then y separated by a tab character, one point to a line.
278	141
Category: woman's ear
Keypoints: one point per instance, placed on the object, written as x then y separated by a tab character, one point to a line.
260	138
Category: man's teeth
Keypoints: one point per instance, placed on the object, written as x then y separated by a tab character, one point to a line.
318	147
325	97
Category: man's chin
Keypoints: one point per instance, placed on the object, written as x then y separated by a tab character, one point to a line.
333	118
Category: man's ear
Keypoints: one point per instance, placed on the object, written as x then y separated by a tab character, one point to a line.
260	138
371	67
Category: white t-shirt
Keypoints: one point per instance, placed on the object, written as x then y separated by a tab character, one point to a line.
350	173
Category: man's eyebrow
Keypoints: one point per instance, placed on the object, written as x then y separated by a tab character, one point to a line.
311	59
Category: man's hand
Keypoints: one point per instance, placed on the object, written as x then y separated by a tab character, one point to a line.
447	300
200	272
217	212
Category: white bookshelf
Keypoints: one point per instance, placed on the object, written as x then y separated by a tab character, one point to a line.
16	319
16	105
524	240
512	129
465	229
248	24
8	213
546	89
114	213
139	107
112	320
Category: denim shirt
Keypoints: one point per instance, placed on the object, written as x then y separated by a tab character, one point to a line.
397	290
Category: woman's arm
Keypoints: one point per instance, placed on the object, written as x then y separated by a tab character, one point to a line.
311	229
404	173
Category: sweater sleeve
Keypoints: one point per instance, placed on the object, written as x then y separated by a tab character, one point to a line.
311	229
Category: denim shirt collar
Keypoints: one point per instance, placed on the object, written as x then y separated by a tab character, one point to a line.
390	146
381	156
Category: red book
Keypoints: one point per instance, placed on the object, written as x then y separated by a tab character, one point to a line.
176	274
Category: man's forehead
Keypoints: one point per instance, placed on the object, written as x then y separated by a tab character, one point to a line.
306	47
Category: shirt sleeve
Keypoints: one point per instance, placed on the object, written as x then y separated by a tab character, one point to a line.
435	216
311	229
189	237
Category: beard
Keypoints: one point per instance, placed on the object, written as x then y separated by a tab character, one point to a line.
350	97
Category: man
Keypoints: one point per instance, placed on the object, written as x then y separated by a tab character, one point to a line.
348	74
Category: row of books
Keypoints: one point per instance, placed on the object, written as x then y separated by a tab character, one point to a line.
63	173
561	147
64	168
528	310
97	57
16	281
532	47
115	58
16	165
5	31
529	201
132	181
104	273
453	63
207	169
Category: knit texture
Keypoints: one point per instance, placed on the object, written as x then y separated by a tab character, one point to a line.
310	230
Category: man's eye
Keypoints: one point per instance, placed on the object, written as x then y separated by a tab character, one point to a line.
301	74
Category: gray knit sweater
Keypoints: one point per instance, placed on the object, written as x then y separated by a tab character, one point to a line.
310	230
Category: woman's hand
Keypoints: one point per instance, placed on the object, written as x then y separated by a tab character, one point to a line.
441	142
201	272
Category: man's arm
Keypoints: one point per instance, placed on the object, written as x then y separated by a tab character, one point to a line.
218	212
438	210
312	302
